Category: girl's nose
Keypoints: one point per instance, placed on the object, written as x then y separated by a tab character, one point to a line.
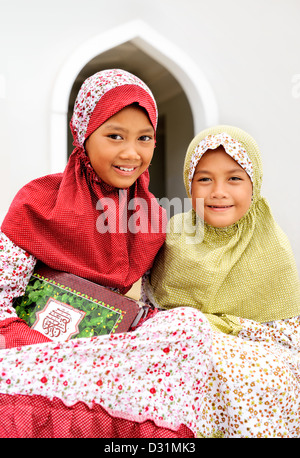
218	191
130	152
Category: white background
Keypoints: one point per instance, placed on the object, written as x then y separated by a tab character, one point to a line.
247	50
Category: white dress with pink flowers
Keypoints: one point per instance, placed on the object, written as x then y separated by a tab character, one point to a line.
172	377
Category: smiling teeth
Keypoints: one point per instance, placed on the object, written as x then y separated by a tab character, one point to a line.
126	170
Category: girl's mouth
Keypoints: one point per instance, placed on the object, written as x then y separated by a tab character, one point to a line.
125	170
219	208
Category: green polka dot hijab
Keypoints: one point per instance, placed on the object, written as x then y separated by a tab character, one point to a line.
245	270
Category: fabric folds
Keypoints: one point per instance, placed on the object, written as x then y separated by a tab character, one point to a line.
39	417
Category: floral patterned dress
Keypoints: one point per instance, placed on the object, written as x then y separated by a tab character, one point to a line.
172	377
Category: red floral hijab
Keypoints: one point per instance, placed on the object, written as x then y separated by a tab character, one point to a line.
55	217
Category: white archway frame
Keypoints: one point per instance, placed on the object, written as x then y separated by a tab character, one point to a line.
181	66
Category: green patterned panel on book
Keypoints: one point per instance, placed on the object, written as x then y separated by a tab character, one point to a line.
63	306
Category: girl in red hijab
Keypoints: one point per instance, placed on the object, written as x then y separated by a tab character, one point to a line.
88	220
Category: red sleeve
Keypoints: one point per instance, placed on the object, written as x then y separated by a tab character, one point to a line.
15	332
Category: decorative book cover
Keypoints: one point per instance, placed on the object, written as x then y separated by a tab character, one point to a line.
63	306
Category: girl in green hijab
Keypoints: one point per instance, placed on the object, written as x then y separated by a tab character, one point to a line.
232	260
228	259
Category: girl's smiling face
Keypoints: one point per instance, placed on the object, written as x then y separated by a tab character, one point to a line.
121	149
225	187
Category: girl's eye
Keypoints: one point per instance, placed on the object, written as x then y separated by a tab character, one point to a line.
235	178
204	179
115	136
145	138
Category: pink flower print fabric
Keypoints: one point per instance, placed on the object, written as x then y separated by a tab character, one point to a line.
232	147
173	370
157	372
91	92
16	267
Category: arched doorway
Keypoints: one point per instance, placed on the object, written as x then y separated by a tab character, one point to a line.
185	100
